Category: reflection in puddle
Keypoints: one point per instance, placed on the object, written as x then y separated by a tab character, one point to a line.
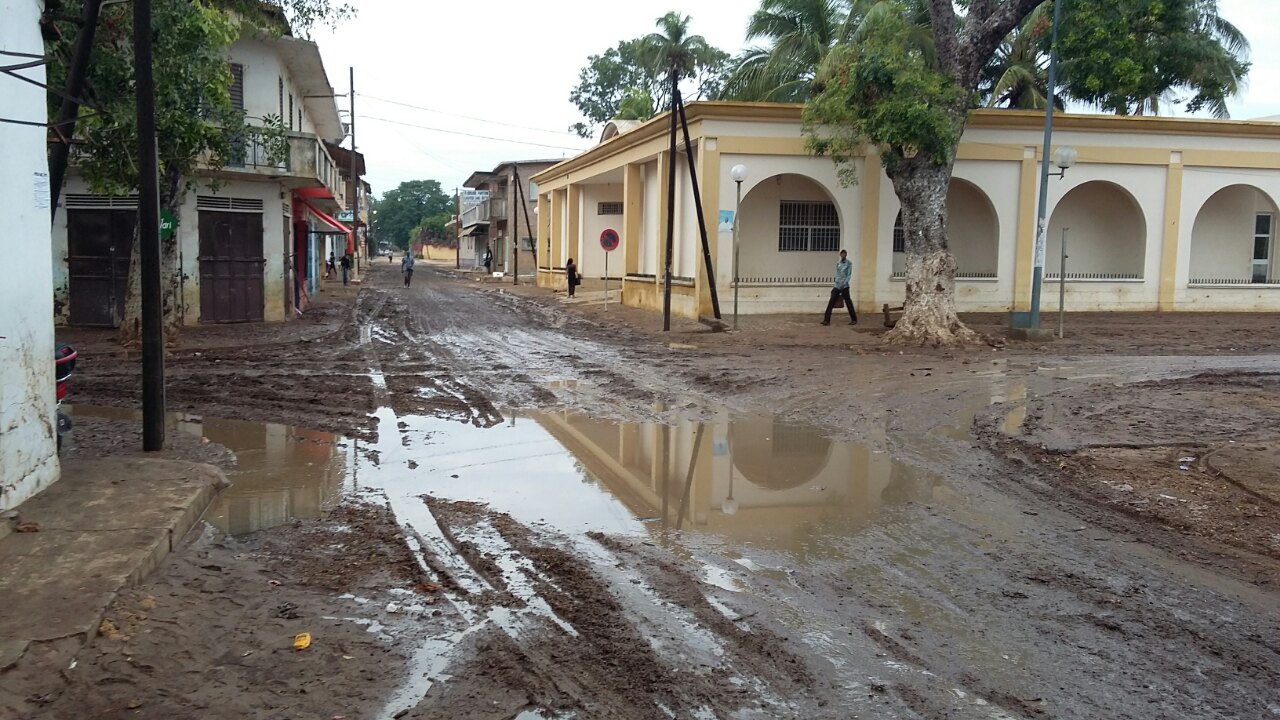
281	472
753	480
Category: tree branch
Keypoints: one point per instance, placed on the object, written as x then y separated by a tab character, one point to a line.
988	25
942	17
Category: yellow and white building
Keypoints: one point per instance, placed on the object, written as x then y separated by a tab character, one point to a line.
1159	214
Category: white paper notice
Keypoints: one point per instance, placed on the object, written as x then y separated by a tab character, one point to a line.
40	183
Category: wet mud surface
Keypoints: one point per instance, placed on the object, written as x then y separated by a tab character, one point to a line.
212	633
974	556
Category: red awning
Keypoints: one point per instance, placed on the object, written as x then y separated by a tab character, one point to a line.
329	220
351	238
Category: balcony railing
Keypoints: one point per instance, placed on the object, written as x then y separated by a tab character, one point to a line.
497	207
475	214
305	158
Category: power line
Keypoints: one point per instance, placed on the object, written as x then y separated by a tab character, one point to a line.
473	135
465	117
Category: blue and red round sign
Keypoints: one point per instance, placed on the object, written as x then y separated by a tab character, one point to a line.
609	240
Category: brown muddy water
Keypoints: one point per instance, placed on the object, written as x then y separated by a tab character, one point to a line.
748	481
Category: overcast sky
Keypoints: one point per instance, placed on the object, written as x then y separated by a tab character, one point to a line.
504	69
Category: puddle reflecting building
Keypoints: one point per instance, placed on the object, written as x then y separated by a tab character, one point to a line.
749	478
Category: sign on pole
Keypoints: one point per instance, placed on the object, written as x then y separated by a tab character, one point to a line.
609	240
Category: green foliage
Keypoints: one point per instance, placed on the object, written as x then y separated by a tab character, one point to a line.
638	68
881	91
405	211
194	116
273	137
798	35
1132	57
196	123
432	231
1018	76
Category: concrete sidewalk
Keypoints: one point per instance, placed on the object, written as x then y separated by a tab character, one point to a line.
104	526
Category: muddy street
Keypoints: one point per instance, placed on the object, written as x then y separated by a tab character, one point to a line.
485	502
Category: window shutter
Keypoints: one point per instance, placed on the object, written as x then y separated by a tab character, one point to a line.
237	86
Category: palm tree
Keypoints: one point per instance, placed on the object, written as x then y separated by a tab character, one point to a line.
672	50
798	36
1018	76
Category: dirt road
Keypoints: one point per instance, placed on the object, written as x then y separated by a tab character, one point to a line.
1004	570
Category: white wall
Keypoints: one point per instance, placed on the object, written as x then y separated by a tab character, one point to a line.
590	257
262	73
688	244
649	221
28	457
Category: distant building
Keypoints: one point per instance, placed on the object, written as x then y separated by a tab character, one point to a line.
1159	214
28	444
493	218
252	250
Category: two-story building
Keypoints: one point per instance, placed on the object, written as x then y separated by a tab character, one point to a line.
28	445
252	235
499	222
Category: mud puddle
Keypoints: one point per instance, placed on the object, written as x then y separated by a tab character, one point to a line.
750	481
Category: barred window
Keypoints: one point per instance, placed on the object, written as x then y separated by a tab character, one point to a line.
899	235
807	225
609	208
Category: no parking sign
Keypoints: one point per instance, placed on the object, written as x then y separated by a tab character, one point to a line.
609	240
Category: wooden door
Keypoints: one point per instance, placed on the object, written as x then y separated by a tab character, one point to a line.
231	263
98	247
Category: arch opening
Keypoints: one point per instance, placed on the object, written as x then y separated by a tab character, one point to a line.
1233	240
973	233
1106	234
790	230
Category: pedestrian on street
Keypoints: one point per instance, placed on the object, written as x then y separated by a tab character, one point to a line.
331	267
488	260
840	290
571	274
346	268
406	267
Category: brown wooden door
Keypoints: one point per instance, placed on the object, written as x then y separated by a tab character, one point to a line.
230	267
98	247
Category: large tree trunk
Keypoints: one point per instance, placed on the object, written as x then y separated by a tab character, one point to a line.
929	313
172	194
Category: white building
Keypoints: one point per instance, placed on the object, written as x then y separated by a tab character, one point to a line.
1161	214
253	249
28	449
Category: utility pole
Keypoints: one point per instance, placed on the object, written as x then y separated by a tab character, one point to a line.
671	206
515	225
457	230
355	181
149	234
64	123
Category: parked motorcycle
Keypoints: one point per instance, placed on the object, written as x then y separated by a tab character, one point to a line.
64	363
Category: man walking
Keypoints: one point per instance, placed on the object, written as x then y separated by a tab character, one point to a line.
840	290
488	260
346	268
406	267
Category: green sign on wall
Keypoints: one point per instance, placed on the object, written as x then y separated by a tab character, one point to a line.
168	224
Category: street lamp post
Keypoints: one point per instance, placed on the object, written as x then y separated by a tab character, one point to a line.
1064	158
739	174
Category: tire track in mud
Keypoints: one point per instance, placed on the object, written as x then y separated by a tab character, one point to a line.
612	636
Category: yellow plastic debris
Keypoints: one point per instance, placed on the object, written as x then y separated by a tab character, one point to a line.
302	641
